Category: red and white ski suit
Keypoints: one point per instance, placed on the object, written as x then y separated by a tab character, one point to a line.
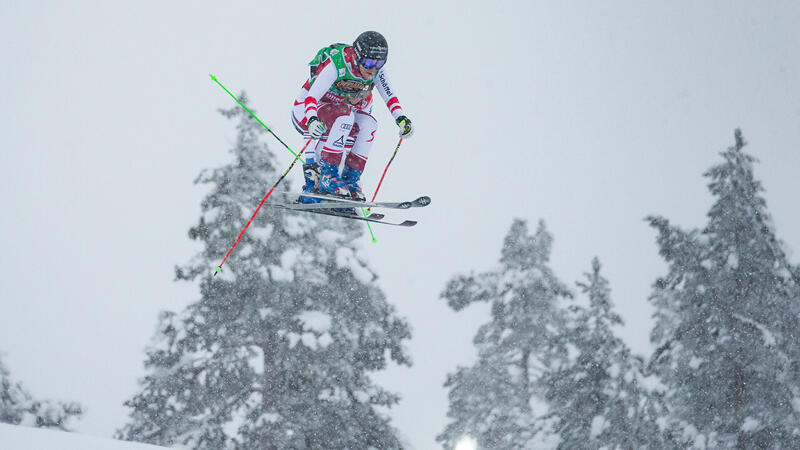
351	126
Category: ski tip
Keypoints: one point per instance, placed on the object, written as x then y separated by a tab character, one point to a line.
422	201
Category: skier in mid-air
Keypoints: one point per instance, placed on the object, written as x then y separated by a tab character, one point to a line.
335	106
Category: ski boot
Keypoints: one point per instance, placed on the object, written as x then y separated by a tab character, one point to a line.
311	174
331	184
350	178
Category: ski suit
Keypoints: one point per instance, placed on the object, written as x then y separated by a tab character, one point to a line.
336	93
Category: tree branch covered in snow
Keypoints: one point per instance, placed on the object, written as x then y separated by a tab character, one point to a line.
18	407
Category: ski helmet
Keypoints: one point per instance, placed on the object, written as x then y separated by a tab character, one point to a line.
371	45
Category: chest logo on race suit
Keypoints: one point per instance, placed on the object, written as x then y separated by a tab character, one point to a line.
352	86
341	72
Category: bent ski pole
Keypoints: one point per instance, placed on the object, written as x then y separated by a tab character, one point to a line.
219	268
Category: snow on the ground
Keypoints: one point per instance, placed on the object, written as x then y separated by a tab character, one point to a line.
13	437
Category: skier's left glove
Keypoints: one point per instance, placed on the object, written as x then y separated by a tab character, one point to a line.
316	127
406	129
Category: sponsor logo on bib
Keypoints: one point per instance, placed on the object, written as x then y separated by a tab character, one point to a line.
351	86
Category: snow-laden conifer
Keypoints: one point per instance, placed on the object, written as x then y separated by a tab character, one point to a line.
18	407
727	319
599	396
491	401
278	350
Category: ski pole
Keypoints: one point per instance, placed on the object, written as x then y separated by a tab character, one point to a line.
219	268
296	157
369	227
384	170
251	113
379	186
387	168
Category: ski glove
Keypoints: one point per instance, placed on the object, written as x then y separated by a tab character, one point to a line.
406	130
316	127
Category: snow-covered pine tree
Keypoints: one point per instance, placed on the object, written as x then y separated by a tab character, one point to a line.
598	397
491	400
727	319
278	351
18	407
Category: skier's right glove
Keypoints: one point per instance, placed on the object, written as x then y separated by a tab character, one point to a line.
406	130
316	127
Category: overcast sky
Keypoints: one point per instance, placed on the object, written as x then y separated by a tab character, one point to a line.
588	116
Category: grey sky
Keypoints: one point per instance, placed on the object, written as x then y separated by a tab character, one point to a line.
588	116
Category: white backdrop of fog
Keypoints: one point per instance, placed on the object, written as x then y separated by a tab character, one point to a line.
588	116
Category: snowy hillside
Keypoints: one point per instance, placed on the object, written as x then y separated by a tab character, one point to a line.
14	437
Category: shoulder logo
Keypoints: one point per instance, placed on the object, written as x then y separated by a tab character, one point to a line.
385	84
334	51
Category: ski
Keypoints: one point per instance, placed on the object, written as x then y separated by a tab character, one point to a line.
417	203
370	218
374	217
324	205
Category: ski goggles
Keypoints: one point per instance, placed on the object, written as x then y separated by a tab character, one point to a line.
369	63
